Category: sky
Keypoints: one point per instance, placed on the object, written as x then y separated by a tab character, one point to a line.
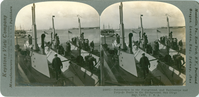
154	15
65	15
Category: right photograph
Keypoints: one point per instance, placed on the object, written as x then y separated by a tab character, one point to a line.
143	43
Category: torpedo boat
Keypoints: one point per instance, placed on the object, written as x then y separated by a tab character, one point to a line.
127	60
165	62
72	73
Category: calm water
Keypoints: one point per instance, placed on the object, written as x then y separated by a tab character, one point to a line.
94	34
91	34
152	34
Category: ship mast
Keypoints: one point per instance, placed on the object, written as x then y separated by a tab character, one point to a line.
79	34
34	29
53	28
168	29
122	39
142	30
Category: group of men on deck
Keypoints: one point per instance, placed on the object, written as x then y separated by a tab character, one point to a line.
65	49
83	43
153	48
171	42
150	48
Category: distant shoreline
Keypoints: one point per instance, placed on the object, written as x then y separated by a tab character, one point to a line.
172	27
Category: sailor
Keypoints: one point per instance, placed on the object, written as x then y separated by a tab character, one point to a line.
145	41
79	60
180	45
73	40
137	44
149	49
90	59
79	43
42	42
155	48
92	46
168	59
164	39
49	44
57	42
175	44
117	38
66	47
57	65
161	39
60	49
167	43
116	43
170	35
143	35
85	44
82	36
82	43
55	35
171	43
145	64
178	61
29	39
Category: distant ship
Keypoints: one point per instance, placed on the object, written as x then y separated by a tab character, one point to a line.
108	32
20	33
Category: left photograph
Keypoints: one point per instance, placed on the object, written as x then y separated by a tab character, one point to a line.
57	44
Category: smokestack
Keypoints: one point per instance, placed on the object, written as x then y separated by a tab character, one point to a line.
35	45
122	39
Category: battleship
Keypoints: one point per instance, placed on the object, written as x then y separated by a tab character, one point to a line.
35	61
121	60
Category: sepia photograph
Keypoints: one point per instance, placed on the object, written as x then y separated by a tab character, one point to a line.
97	48
57	44
143	44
